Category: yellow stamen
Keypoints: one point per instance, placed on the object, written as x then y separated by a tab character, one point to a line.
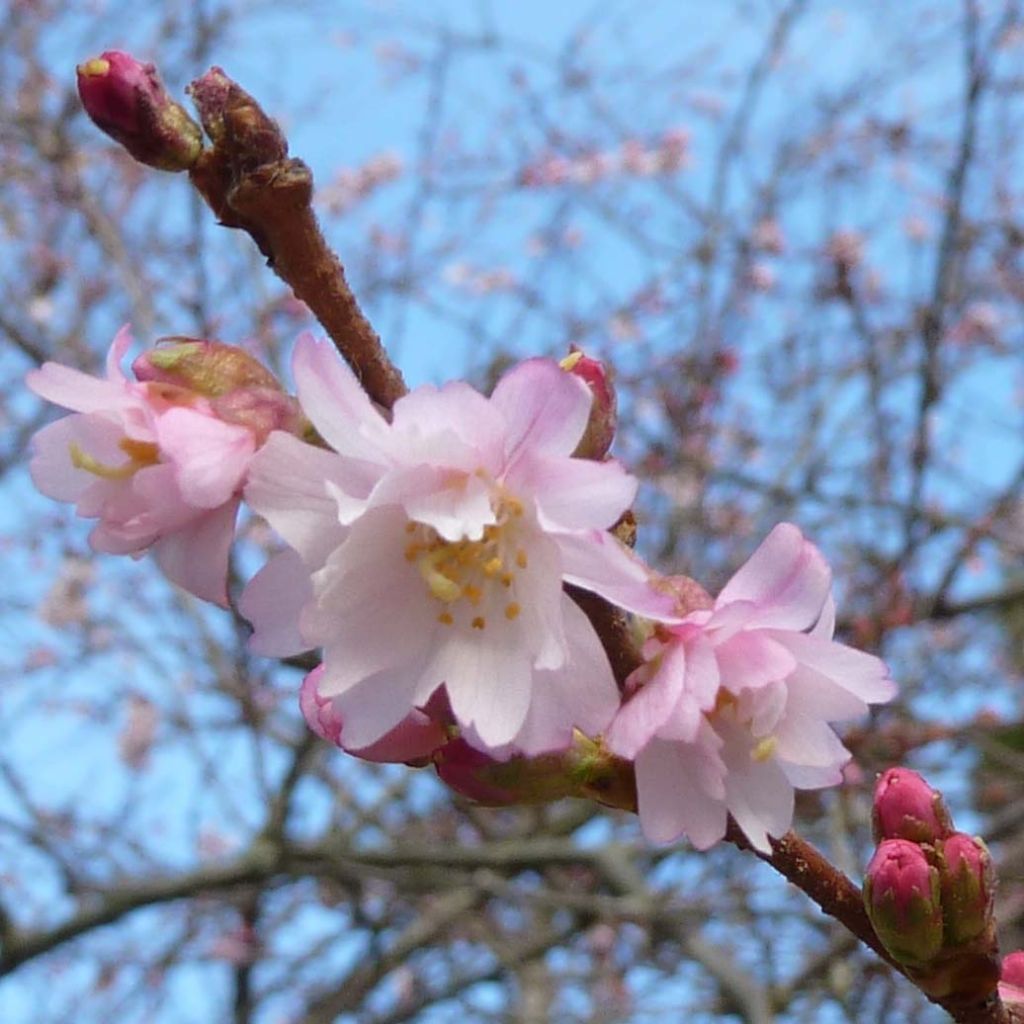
478	622
443	588
493	566
764	749
473	594
512	611
445	618
521	558
81	459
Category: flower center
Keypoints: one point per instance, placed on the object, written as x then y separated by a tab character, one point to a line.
140	454
472	575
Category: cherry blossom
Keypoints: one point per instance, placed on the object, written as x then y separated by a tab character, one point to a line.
733	708
431	549
151	462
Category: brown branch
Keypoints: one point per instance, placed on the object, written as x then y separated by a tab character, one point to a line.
251	183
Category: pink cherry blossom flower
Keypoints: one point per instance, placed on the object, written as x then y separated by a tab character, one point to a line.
431	551
733	708
149	461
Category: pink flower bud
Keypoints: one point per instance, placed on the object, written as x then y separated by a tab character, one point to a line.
600	432
967	882
901	895
1011	979
906	807
412	741
126	99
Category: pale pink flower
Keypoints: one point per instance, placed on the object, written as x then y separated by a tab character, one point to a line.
149	461
431	551
733	708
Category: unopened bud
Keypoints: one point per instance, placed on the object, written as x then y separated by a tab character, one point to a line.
906	807
901	895
209	368
967	883
126	99
583	770
600	432
412	741
1011	978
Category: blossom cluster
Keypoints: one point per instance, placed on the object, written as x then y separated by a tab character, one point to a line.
434	553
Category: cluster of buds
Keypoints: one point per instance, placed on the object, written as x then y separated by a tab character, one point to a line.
929	891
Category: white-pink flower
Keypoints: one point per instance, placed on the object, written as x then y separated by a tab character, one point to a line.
734	706
430	550
150	462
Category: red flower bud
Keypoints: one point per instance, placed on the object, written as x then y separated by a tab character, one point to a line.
126	99
906	807
901	895
600	432
1011	978
412	741
967	883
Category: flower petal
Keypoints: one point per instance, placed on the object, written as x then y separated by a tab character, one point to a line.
545	409
596	561
581	693
574	494
288	487
680	792
272	602
211	456
786	577
196	556
336	403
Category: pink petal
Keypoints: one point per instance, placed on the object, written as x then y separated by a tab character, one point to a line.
677	790
545	409
288	486
596	561
650	708
374	707
196	557
574	494
786	577
116	353
272	602
453	426
457	505
489	681
51	468
415	738
757	792
336	403
752	659
581	694
211	456
861	674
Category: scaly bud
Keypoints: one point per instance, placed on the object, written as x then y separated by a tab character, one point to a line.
967	883
1011	978
901	895
126	99
600	432
210	368
906	807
